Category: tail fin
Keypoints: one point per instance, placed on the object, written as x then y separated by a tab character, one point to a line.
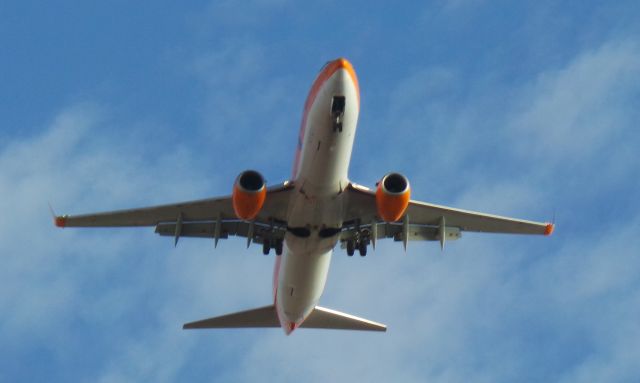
320	318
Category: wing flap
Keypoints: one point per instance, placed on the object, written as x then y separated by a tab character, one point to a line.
395	231
229	227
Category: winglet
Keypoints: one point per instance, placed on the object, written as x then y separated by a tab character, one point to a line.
59	221
548	230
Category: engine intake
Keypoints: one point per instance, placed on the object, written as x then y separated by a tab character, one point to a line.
392	196
249	194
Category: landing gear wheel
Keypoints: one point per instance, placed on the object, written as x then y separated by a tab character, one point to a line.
362	248
279	247
337	125
266	246
351	248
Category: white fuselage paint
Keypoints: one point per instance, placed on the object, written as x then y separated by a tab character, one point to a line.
320	177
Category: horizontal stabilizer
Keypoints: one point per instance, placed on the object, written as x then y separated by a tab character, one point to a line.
325	318
261	317
320	318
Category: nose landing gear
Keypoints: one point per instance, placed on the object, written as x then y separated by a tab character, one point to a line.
337	112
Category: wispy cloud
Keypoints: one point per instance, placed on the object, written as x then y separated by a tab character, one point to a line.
67	289
485	309
578	111
458	109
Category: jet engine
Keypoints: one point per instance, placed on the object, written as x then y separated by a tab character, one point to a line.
392	196
249	193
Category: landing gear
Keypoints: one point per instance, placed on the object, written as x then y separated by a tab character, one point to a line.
362	248
352	245
351	248
269	244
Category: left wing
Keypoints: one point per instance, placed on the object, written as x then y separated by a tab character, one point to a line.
274	209
212	218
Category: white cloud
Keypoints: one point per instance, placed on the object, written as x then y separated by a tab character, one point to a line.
580	110
491	308
122	294
245	94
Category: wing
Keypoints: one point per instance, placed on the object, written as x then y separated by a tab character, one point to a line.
424	221
203	218
275	208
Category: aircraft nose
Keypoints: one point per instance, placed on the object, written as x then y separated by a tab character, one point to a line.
342	62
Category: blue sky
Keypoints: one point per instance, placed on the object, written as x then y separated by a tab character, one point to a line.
517	108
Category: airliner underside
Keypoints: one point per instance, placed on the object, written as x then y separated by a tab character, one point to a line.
304	218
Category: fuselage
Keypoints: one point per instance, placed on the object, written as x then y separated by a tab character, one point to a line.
320	174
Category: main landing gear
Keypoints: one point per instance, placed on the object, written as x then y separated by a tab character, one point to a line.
269	244
353	244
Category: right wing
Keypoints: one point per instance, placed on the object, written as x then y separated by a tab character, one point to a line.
424	220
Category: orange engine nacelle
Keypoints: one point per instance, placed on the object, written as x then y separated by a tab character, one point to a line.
392	196
249	193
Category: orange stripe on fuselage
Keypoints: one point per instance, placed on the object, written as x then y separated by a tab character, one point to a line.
325	74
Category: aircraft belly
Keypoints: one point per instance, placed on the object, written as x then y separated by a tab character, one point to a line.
302	280
317	204
315	213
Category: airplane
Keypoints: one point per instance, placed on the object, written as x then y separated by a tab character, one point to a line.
304	218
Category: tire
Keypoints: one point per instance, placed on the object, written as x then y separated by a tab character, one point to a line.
362	248
351	248
266	246
279	247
